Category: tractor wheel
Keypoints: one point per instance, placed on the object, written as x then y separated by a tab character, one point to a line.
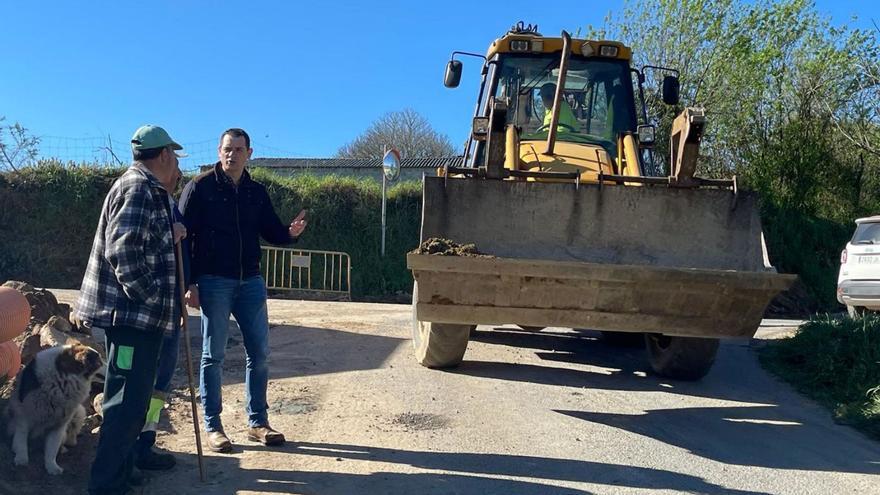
438	345
681	358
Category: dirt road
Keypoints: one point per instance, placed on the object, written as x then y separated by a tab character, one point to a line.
549	413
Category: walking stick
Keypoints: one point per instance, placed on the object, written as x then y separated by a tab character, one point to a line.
189	367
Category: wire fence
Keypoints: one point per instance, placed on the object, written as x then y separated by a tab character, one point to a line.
108	151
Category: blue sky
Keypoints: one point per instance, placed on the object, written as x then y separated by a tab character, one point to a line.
303	78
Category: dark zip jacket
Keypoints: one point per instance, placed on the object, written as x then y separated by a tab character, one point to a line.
224	224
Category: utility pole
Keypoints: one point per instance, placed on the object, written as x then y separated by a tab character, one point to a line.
390	172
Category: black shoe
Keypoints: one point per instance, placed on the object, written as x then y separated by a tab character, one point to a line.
154	461
136	478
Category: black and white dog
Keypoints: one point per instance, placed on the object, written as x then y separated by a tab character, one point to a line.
48	400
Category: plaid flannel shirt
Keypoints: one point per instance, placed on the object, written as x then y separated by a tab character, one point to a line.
131	275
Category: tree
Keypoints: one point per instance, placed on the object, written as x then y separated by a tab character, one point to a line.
21	147
761	69
406	130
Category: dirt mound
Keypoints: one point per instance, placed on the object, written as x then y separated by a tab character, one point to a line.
43	303
50	323
444	247
49	326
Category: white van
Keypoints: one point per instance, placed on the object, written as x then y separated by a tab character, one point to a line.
858	284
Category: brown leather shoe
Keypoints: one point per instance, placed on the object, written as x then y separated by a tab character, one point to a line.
219	442
265	435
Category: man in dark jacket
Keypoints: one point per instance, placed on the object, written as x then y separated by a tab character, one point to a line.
226	213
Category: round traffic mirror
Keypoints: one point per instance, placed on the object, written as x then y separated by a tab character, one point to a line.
391	164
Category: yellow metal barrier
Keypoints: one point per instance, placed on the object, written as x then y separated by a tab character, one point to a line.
327	273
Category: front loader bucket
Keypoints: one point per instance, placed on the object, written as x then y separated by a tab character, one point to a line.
686	262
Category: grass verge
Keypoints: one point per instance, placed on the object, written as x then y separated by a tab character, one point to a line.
837	363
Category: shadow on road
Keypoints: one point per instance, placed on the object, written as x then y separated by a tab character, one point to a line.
779	430
746	436
625	368
470	473
297	351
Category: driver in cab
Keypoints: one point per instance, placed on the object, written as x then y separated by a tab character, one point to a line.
567	121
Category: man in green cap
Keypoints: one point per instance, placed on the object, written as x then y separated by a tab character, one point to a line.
129	291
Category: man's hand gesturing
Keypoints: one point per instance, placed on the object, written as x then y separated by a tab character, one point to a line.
298	225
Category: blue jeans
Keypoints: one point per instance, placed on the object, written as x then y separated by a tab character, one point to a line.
246	300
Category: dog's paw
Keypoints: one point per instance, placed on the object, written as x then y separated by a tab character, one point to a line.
21	460
54	469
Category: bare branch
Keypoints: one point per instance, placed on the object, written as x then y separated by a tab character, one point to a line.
109	149
23	144
8	160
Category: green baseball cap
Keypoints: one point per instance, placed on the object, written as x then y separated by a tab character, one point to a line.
152	136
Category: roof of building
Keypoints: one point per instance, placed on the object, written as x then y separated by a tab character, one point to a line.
349	162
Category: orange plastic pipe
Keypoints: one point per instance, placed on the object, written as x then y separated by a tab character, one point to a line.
10	359
15	313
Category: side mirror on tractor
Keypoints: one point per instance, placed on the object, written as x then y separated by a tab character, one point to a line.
670	90
453	74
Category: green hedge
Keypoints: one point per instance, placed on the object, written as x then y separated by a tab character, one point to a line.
48	215
809	246
345	214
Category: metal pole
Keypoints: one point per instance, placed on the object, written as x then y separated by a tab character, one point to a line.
384	180
560	88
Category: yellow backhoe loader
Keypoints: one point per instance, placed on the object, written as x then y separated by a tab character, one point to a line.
555	185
